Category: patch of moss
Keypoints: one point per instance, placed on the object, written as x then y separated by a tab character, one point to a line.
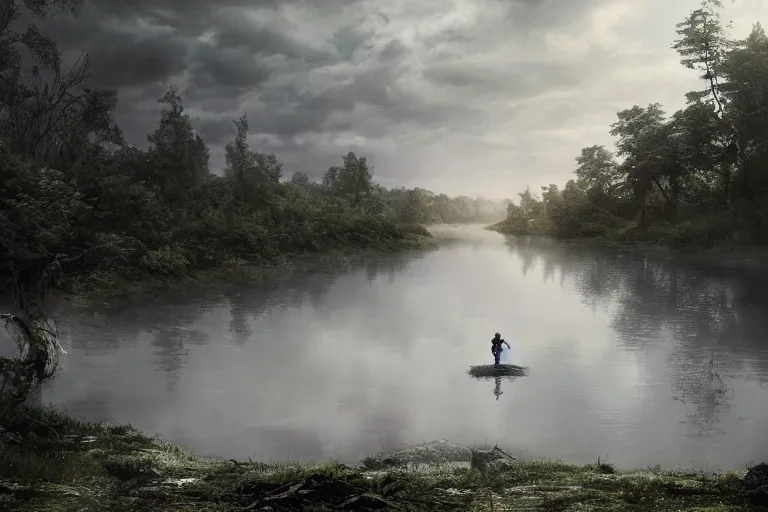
502	370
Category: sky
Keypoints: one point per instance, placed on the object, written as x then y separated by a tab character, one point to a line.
473	97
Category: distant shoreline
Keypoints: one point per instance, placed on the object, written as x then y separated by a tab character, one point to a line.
737	254
87	291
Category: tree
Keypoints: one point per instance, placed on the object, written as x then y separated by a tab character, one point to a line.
356	178
703	142
300	178
704	165
331	180
530	206
641	133
703	46
38	206
597	170
746	71
255	176
414	208
178	154
352	181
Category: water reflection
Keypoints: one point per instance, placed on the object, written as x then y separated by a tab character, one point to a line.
105	341
497	373
339	364
497	392
710	320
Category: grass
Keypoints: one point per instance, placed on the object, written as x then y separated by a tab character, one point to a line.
51	462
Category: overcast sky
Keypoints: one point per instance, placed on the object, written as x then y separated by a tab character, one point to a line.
476	97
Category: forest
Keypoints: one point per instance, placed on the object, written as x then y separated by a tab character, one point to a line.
75	193
696	177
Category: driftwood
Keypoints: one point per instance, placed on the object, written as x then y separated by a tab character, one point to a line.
37	360
35	336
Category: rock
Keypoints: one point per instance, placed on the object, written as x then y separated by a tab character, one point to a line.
757	476
440	453
493	459
436	452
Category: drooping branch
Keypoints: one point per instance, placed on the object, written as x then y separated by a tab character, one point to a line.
37	359
52	102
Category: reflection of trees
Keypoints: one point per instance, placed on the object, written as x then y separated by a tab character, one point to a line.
387	264
170	326
296	290
174	325
654	296
239	306
169	348
464	236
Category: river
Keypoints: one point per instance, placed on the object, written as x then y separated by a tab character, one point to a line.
620	346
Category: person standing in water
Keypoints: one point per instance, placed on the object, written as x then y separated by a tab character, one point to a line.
496	343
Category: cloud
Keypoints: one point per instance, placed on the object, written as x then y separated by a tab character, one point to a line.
461	96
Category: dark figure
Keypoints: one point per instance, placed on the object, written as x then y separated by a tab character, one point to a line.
496	343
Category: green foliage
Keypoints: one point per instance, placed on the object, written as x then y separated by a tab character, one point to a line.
696	177
420	206
703	46
72	192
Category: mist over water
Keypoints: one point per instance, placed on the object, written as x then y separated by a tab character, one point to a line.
341	363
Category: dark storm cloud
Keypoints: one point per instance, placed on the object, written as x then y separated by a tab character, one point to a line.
517	81
188	17
227	67
216	131
260	38
121	55
136	63
311	111
133	42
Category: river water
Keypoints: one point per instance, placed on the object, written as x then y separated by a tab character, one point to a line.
637	356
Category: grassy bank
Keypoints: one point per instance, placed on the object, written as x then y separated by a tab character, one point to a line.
690	235
52	462
108	287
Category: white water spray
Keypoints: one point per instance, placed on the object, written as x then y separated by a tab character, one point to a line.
505	357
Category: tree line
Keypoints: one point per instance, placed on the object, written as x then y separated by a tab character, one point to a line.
697	176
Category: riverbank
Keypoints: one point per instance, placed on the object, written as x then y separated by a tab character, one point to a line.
684	237
106	288
52	462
